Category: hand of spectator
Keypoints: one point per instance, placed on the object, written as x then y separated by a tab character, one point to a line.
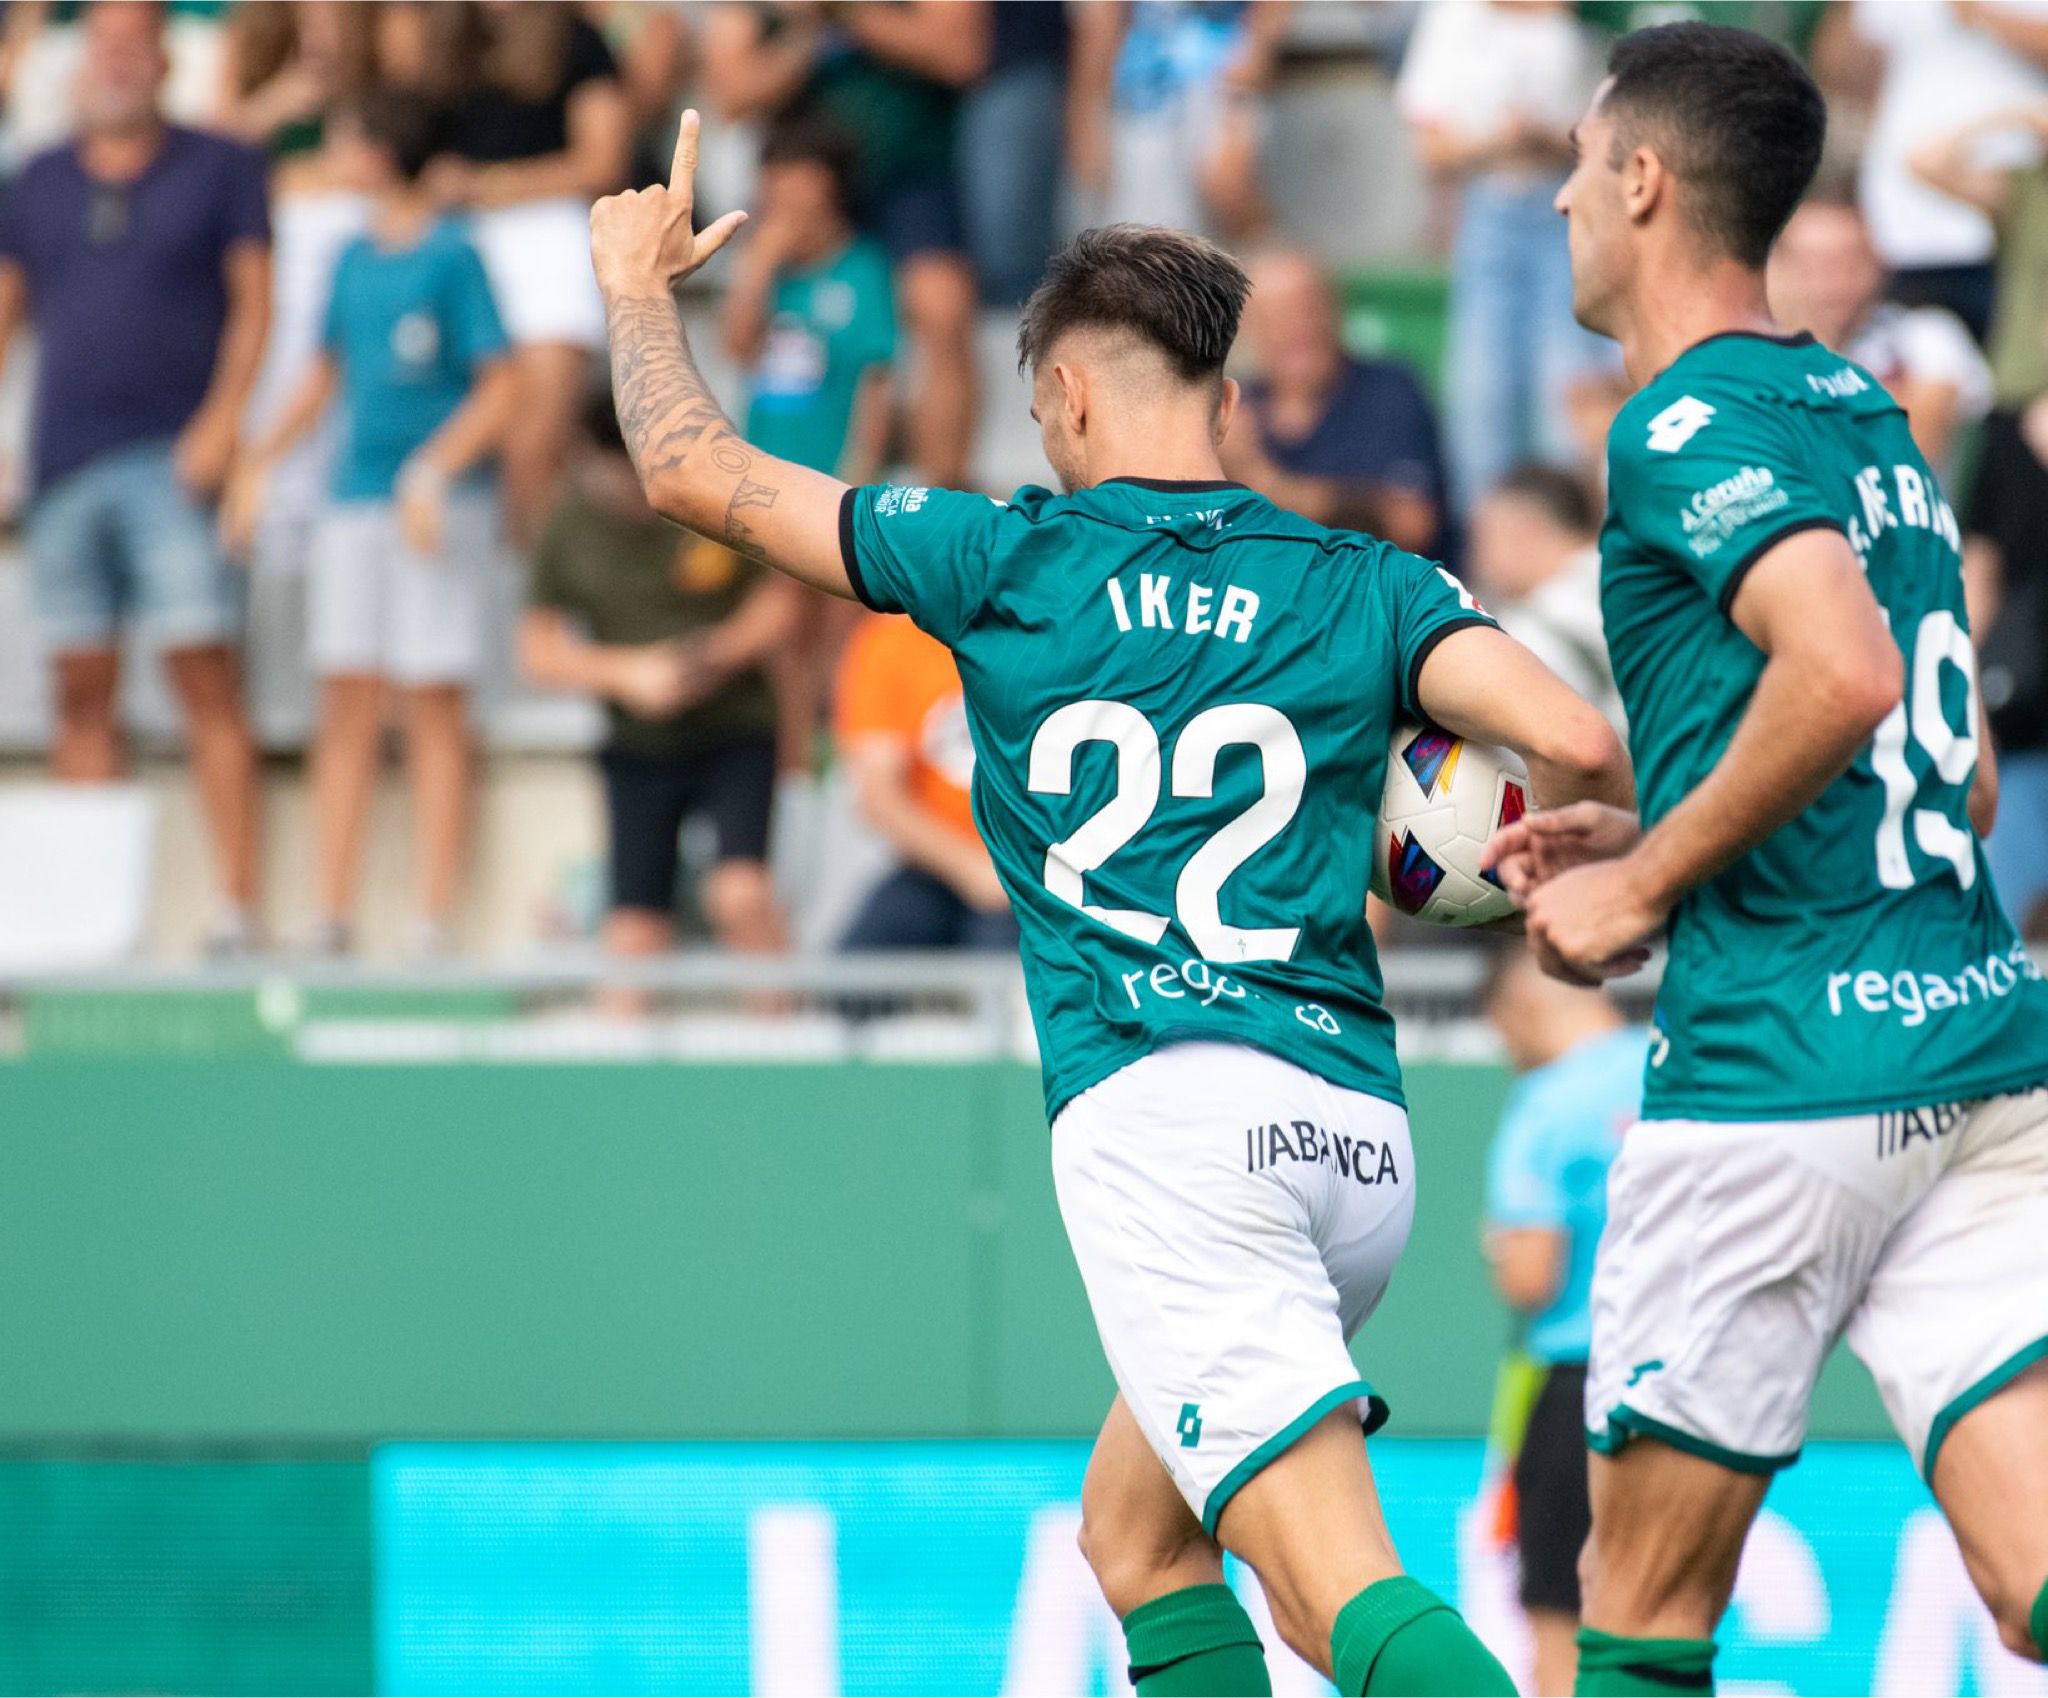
204	452
659	680
241	506
642	240
422	493
1540	846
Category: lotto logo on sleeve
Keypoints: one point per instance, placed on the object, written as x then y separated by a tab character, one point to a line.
1678	424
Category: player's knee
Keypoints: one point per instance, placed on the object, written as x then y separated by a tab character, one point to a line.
1131	1568
2013	1599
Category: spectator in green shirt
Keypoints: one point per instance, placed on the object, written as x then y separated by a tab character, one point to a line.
670	630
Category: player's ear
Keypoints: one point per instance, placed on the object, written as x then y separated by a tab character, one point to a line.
1227	398
1073	392
1644	182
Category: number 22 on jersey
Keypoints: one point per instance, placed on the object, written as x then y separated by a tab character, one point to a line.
1197	891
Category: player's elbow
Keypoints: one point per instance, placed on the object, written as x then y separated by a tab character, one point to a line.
669	492
1861	686
1583	758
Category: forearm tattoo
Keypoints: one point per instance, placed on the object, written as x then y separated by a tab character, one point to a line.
675	431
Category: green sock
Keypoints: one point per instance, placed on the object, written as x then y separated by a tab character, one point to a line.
2037	1624
1399	1636
1196	1643
1611	1666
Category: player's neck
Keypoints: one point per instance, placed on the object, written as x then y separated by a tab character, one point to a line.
1162	458
1677	306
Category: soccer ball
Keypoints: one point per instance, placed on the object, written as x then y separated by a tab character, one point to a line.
1444	799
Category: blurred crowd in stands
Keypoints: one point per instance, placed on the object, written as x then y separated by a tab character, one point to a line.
308	297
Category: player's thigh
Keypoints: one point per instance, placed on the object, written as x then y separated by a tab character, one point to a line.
1732	1256
1668	1530
1992	1482
1137	1532
1216	1208
1957	1304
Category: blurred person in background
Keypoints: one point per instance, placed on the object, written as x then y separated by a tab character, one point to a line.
669	630
285	70
2005	577
809	316
1340	440
141	254
902	725
652	48
1546	1202
1012	142
1170	111
1826	278
413	349
888	74
1534	555
534	126
1491	92
2010	187
1945	64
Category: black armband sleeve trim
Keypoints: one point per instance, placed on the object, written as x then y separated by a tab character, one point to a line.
849	555
1428	648
1726	600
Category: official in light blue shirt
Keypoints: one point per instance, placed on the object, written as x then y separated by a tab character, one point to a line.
1548	1170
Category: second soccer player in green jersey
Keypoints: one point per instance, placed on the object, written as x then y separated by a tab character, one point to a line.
1182	700
1845	1120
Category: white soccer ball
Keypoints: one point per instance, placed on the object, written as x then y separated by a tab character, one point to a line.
1444	799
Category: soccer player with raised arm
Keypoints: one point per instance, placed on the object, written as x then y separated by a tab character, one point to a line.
1181	699
1845	1118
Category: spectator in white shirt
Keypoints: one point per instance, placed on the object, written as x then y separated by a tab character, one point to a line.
1826	278
1945	64
1491	92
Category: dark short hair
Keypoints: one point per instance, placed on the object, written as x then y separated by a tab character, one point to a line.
1734	117
1561	494
1175	291
806	140
402	123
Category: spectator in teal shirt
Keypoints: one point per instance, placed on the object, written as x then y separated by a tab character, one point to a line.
400	577
810	313
1581	1087
811	316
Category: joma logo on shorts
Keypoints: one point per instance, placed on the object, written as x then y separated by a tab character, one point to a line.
1302	1140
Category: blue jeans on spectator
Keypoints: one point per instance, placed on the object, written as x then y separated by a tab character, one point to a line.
2018	846
1514	345
120	537
912	909
1012	130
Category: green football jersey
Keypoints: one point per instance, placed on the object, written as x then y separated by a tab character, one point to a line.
1857	960
1181	699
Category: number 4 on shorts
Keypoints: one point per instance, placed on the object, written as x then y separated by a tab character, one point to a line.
1189	1426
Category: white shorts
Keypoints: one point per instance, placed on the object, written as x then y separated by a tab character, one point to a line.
537	257
1236	1219
377	608
1736	1254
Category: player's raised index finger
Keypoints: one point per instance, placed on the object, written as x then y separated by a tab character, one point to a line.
682	170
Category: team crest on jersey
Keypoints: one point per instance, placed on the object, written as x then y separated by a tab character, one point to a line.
1678	424
1432	756
1412	877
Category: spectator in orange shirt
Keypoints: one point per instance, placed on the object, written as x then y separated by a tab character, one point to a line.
903	734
